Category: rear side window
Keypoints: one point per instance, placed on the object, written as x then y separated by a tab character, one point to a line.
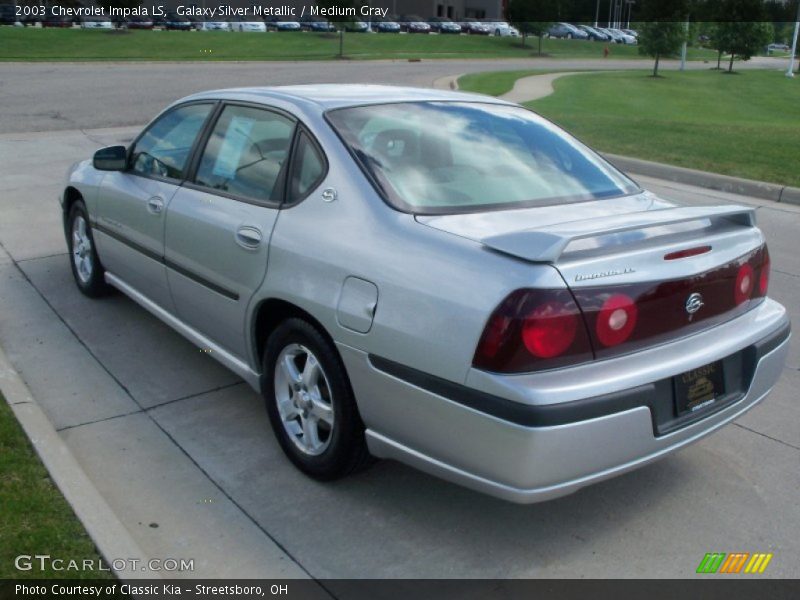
308	169
246	152
163	150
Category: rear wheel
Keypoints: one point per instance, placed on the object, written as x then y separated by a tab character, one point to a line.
310	403
86	267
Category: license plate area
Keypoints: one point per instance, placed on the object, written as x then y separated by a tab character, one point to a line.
699	389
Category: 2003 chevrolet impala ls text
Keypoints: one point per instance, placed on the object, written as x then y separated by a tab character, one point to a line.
440	278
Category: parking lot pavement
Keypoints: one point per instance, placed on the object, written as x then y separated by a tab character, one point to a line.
67	96
182	451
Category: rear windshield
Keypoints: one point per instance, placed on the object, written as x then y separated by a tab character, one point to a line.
453	157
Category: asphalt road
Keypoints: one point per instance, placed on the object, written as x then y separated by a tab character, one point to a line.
49	96
171	438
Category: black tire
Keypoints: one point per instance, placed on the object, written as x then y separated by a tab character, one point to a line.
90	282
346	450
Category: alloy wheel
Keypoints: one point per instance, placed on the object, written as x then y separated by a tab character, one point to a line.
82	250
304	400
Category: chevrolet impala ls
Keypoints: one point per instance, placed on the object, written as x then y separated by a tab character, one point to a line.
440	278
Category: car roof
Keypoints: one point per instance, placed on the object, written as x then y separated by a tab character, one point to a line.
329	96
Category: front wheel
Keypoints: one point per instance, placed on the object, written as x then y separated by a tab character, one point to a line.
310	403
86	267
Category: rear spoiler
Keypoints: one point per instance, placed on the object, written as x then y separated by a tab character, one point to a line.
547	244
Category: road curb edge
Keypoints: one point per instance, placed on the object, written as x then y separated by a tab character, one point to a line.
714	181
112	539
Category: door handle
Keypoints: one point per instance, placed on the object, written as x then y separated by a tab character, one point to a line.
155	205
248	237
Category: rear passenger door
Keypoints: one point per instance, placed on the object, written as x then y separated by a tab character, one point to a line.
219	223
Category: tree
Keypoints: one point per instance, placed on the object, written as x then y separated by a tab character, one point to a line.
329	5
718	42
742	31
659	37
745	39
532	17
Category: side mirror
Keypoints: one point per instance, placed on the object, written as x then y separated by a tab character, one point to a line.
113	158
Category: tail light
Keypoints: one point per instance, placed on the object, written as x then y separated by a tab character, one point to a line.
752	278
616	320
763	278
743	287
655	312
533	330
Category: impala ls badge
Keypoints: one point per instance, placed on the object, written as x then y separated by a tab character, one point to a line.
693	303
609	273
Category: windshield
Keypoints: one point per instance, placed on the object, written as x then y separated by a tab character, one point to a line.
452	157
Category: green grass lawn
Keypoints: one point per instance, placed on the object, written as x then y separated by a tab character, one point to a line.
35	518
32	44
745	125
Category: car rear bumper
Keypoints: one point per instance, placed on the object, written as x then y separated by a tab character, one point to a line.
540	451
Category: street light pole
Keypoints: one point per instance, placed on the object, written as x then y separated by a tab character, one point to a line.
597	14
790	70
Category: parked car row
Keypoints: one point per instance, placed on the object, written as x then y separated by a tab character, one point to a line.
596	34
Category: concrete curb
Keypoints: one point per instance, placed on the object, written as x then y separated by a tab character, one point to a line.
790	195
106	531
713	181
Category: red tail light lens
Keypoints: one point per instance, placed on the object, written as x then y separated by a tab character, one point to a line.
533	330
616	320
745	282
549	330
763	279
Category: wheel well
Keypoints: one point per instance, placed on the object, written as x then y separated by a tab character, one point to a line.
71	195
271	313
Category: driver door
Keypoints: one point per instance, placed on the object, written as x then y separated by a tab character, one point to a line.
131	208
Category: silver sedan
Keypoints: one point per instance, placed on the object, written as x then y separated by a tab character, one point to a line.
444	279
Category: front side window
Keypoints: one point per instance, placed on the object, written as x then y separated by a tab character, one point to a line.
246	152
163	150
451	157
